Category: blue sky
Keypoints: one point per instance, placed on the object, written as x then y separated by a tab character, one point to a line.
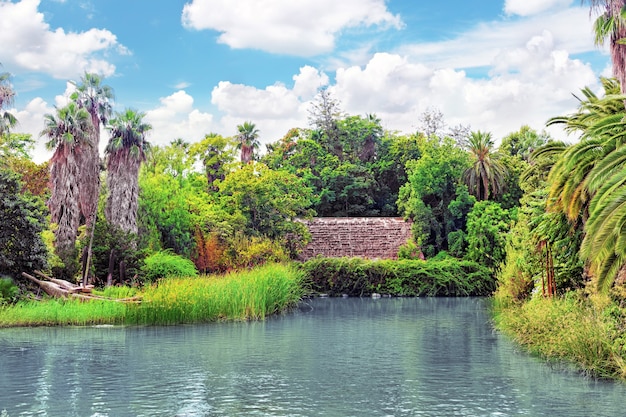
200	66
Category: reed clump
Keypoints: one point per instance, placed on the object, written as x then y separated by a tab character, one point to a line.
585	331
245	295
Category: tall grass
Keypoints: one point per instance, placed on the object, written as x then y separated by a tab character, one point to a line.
252	294
586	332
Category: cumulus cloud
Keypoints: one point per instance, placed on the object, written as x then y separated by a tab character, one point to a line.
531	7
274	109
29	43
479	46
527	85
302	28
176	118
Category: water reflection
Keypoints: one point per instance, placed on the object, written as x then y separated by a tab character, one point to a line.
331	357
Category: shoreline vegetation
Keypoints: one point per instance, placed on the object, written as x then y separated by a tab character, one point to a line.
254	294
244	295
585	331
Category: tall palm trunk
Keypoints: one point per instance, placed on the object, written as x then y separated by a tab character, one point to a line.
64	207
618	50
122	182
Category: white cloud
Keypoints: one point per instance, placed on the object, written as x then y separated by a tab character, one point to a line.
527	85
302	28
570	30
30	120
29	43
531	7
177	118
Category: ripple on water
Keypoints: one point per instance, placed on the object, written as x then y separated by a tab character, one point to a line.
333	357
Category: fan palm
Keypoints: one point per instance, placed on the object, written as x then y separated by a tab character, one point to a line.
67	132
96	98
247	141
125	152
487	174
7	120
611	26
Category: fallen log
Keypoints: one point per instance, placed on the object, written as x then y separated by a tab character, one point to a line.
49	288
65	284
56	288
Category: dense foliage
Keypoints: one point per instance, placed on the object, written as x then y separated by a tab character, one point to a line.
245	295
359	277
22	217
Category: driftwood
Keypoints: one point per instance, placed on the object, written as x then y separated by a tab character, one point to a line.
62	289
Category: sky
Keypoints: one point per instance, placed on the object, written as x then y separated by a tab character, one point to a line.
200	66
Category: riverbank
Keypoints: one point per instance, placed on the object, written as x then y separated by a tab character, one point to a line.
245	295
586	331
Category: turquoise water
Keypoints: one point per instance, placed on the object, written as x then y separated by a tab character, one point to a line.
331	357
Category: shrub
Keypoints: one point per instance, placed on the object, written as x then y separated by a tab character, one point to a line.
410	250
164	264
358	277
8	291
248	252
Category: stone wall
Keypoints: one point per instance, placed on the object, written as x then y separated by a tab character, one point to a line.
365	237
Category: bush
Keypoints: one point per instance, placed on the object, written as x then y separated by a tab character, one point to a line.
8	291
358	277
248	252
164	264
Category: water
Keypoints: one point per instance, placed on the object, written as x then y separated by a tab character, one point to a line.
331	357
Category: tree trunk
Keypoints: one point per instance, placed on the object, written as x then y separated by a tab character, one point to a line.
111	267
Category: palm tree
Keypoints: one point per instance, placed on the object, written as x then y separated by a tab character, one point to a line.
247	141
7	120
594	119
487	174
125	152
96	98
611	26
67	131
588	183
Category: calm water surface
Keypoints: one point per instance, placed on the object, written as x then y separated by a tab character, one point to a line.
331	357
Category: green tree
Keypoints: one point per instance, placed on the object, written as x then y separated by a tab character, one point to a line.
247	141
523	142
125	152
433	183
23	218
216	154
487	174
270	200
16	145
487	227
66	131
587	182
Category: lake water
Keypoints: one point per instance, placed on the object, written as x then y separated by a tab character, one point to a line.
330	357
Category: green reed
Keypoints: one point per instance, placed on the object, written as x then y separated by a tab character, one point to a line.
585	332
243	295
